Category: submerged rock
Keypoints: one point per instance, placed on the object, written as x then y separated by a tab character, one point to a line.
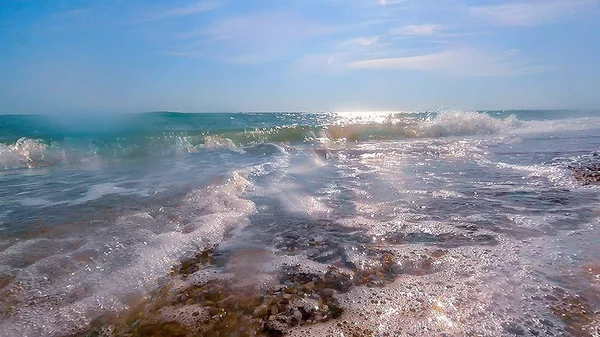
587	174
191	304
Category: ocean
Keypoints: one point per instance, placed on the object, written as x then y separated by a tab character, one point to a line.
447	223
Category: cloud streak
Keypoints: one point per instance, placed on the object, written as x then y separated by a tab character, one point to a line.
456	62
390	2
360	42
530	13
257	37
266	27
184	11
418	30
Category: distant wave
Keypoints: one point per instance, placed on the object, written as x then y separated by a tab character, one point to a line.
35	153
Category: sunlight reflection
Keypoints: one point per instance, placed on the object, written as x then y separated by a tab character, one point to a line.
366	117
441	313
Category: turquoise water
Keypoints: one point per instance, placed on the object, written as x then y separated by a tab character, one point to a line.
37	140
479	211
57	128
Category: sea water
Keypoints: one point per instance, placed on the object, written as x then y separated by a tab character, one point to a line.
386	224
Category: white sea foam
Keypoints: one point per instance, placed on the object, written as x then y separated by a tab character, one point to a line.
557	175
99	270
459	123
28	153
491	291
425	187
217	142
33	153
99	190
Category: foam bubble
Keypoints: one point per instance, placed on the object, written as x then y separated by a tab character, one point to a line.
34	153
471	292
193	317
218	142
130	256
554	174
459	123
100	190
26	153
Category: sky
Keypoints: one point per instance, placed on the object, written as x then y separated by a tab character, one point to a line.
83	56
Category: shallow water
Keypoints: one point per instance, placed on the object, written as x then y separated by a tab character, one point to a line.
454	223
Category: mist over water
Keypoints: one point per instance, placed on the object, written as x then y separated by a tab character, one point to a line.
397	224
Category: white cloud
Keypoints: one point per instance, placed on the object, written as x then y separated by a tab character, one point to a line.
440	60
458	62
360	42
418	30
530	12
390	2
366	48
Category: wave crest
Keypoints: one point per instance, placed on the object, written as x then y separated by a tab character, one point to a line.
455	123
29	153
33	153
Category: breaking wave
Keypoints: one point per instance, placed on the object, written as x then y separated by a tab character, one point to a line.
28	153
34	153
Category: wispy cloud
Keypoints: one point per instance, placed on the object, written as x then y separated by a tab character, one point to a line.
360	42
318	42
183	11
457	62
418	30
530	12
268	27
254	38
370	48
390	2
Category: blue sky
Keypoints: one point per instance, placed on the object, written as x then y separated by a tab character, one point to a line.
301	55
